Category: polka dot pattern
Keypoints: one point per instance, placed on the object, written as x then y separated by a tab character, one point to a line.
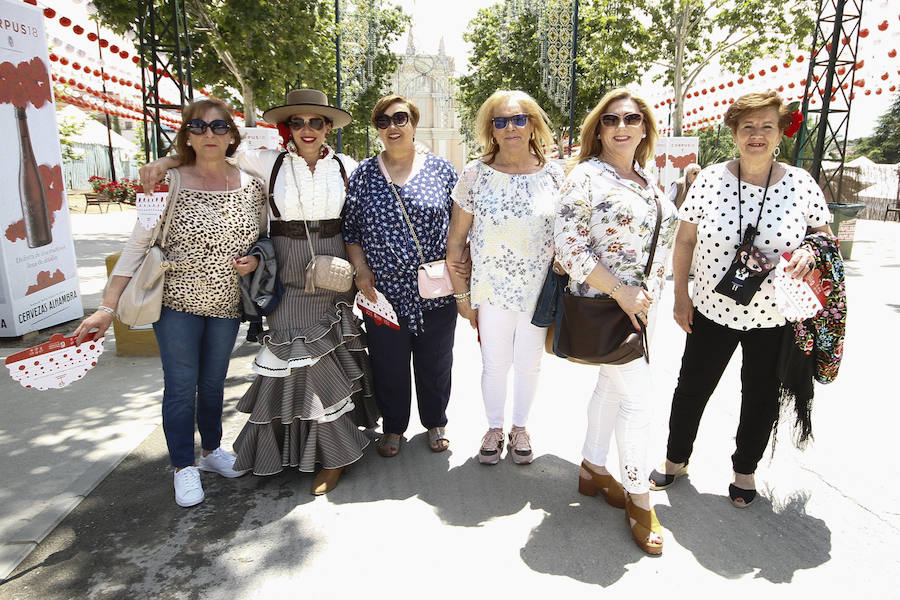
792	204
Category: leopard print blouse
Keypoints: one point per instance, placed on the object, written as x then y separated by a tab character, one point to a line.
208	230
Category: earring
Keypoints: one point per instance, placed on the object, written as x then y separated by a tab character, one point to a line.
776	152
188	142
643	136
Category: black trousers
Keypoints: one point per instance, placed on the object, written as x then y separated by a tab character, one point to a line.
706	354
432	359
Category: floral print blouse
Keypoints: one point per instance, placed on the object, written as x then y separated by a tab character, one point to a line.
373	219
605	218
512	231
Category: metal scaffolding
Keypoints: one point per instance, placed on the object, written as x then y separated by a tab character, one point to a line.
830	80
165	52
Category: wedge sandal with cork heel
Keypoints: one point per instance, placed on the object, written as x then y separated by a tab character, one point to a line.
607	485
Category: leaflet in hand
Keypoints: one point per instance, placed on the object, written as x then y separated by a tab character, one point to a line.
798	299
56	363
379	311
150	207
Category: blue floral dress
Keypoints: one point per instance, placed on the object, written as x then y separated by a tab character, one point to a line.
373	219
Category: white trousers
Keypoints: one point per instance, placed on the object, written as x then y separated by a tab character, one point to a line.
508	339
622	403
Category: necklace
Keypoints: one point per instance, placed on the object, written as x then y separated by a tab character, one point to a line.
752	230
206	185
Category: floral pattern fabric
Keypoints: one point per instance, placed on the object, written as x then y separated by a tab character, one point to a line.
373	219
793	203
605	218
512	231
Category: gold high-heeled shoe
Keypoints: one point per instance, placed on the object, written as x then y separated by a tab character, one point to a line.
607	485
645	524
326	480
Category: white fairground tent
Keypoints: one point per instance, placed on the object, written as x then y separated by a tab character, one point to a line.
879	185
92	144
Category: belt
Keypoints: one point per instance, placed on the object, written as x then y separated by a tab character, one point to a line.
294	229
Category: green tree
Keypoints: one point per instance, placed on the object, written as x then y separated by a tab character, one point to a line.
685	37
883	146
249	52
606	58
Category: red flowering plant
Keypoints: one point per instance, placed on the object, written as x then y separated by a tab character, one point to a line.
788	142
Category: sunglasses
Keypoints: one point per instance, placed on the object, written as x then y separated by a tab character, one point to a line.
613	120
315	123
384	121
199	126
517	120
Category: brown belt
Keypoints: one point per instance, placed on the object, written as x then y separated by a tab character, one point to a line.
295	229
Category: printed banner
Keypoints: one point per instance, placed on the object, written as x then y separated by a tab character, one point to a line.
673	154
259	138
38	276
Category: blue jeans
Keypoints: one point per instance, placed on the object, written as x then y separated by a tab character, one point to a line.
195	352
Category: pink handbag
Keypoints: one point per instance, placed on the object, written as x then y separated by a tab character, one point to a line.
434	279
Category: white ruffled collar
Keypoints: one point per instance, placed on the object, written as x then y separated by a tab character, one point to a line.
313	195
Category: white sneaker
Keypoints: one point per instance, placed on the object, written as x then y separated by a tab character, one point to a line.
188	490
219	461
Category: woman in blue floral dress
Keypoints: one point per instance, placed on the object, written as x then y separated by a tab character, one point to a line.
506	201
604	230
385	255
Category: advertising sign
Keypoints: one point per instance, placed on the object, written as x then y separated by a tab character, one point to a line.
259	138
673	154
38	277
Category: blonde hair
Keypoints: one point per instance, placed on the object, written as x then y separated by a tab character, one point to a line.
541	134
591	146
756	101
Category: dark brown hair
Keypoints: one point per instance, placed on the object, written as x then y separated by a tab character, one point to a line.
193	111
756	101
383	104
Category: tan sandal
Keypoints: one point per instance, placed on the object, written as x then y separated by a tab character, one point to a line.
645	524
607	485
389	445
326	480
437	439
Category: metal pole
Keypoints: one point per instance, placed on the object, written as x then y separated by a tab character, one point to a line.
112	164
337	54
816	167
572	85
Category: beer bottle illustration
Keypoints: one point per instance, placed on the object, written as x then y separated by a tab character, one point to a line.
31	189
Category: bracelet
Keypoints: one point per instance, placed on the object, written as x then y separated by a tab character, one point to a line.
615	289
107	309
464	297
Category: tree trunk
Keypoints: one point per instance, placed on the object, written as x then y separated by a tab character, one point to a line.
678	70
249	104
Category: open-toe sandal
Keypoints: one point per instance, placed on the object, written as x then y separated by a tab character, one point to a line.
389	445
740	497
437	439
660	481
607	485
645	524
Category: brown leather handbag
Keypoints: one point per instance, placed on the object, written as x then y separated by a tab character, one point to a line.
597	331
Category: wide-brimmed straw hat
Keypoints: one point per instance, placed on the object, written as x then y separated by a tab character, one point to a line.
307	101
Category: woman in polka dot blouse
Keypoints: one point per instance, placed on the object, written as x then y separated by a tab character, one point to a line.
386	257
783	203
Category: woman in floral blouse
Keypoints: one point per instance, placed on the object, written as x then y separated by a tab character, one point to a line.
385	254
603	233
506	201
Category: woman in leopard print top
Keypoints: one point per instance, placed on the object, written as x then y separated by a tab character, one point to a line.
218	213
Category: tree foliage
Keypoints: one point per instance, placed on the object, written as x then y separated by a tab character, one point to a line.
883	146
606	59
685	37
248	53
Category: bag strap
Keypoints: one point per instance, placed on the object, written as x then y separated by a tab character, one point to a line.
408	221
166	220
275	168
312	251
655	236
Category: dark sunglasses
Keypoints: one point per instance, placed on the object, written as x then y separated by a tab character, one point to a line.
517	120
613	120
384	121
198	126
315	123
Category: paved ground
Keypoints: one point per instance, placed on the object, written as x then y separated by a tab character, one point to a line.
441	524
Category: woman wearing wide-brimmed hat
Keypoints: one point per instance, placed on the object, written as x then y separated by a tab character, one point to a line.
314	390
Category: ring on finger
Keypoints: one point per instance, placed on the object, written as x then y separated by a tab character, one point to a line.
641	315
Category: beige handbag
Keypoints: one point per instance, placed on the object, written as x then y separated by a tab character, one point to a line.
326	272
141	300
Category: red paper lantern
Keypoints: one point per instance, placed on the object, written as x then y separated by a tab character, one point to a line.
63	61
762	72
53	57
878	92
859	82
791	85
799	58
863	33
80	86
852	95
802	82
740	80
882	26
114	79
860	64
787	65
65	21
892	53
751	76
71	81
92	36
716	103
78	29
136	59
841	70
721	86
893	88
868	92
103	43
96	73
884	77
76	66
114	49
780	88
106	76
773	68
730	84
123	54
703	92
49	13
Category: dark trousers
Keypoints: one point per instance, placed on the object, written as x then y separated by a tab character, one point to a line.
706	354
432	359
